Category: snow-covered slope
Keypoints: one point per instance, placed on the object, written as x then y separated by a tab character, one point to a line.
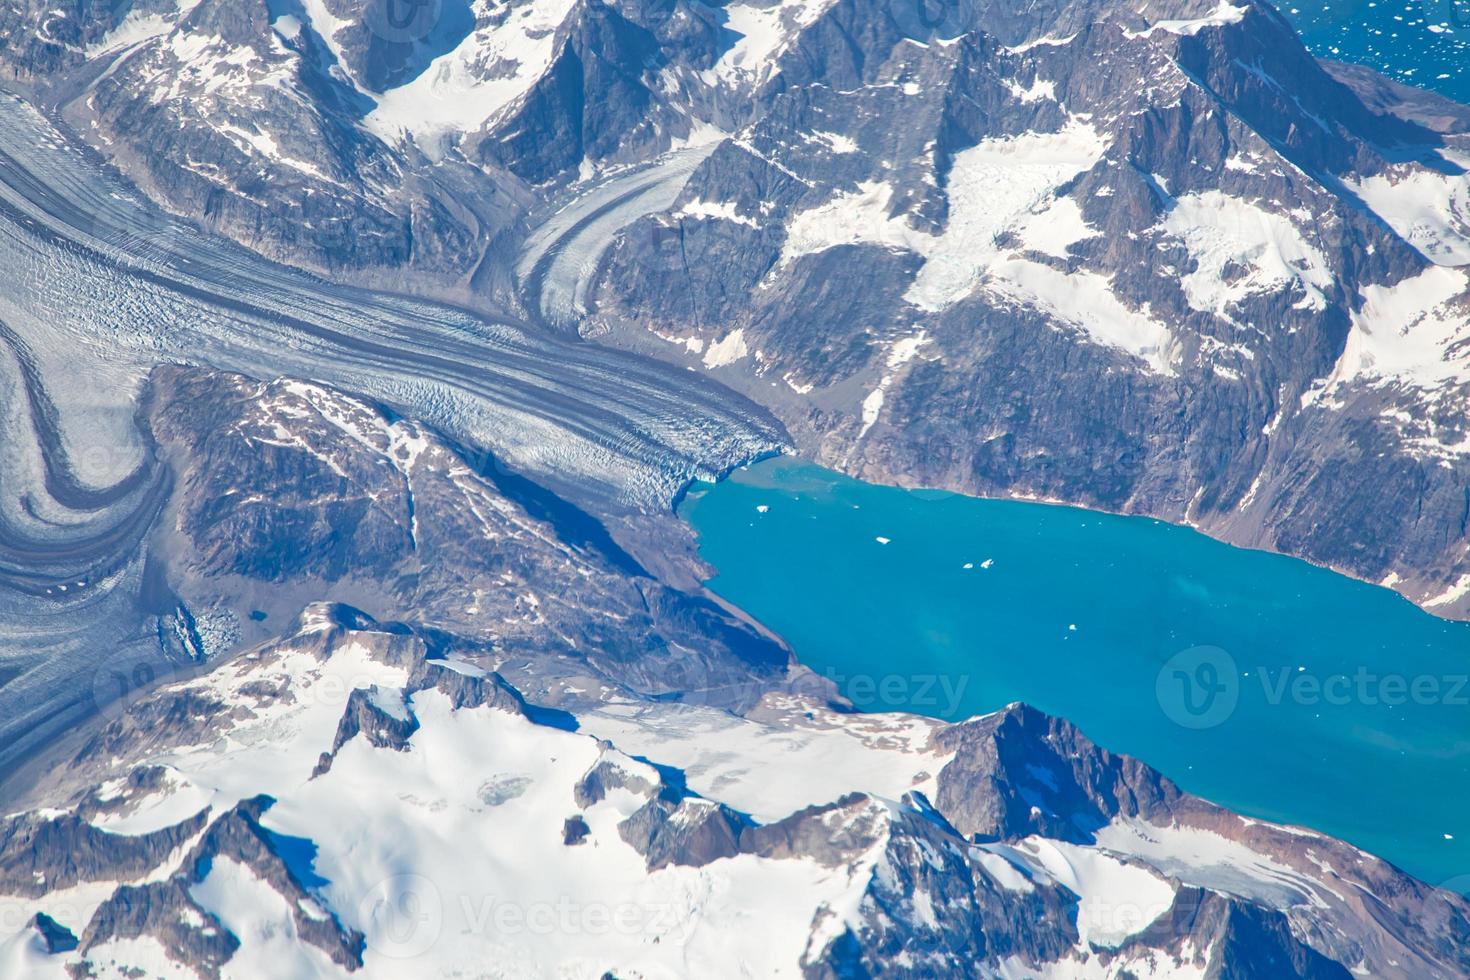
341	801
319	792
1185	219
1152	260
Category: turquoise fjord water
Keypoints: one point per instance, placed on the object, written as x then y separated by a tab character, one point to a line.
1278	689
1425	43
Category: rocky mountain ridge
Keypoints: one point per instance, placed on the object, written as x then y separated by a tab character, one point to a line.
434	685
1208	299
543	742
210	851
1158	261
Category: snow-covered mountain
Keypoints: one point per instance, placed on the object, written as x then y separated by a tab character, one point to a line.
490	788
406	670
1153	258
1180	270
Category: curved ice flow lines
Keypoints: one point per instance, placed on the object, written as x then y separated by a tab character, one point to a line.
561	256
101	287
625	429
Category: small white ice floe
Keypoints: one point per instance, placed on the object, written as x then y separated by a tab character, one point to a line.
1449	836
761	508
882	540
968	565
1071	627
987	563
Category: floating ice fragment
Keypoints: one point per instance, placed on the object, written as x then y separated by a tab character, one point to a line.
881	540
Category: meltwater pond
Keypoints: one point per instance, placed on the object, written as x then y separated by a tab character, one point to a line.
1278	689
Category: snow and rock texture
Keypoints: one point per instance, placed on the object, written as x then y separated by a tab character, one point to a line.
1155	260
358	798
102	287
494	767
1166	265
352	135
259	497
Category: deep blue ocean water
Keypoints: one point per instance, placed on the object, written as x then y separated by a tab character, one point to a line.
1279	689
1418	42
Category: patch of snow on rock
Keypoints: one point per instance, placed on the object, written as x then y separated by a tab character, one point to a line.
1410	331
1224	233
1427	209
727	351
463	89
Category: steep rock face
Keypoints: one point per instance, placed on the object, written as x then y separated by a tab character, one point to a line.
979	791
287	483
931	904
45	853
1160	262
166	911
341	871
233	121
354	796
1188	298
250	118
588	102
382	46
